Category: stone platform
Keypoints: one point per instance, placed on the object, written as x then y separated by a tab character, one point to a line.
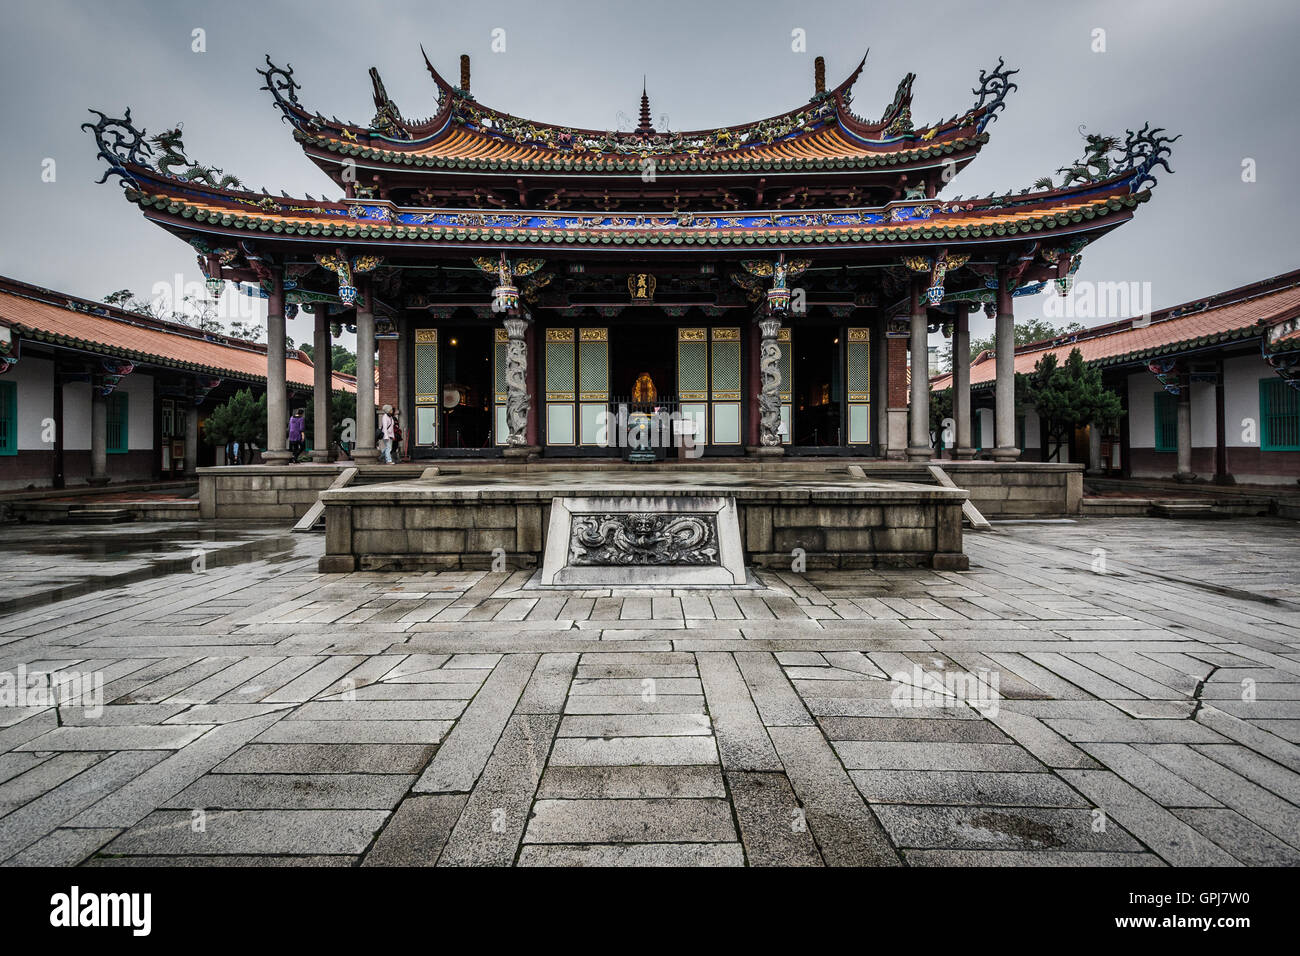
1021	489
479	519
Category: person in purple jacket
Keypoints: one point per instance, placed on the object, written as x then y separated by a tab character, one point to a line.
297	421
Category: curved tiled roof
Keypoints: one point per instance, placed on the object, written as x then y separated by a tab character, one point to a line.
1168	333
938	221
465	134
827	148
146	342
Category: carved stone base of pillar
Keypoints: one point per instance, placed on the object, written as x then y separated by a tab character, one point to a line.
277	457
1186	477
323	456
1225	480
365	456
522	451
915	453
1006	454
98	481
964	454
765	450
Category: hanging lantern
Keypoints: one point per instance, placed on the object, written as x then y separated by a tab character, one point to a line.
290	309
347	294
935	295
215	285
778	300
505	298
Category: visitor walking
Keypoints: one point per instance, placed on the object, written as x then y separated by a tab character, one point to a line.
297	422
386	426
399	437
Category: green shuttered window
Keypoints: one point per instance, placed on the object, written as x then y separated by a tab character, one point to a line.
1279	412
118	419
1166	419
8	418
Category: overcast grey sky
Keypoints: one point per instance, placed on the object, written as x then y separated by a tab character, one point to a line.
1222	74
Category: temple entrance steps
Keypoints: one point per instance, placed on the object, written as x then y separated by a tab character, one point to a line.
316	513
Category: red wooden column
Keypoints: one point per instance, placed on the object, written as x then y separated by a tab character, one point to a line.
896	373
388	373
535	375
753	385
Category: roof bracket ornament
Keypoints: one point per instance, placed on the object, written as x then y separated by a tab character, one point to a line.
993	89
120	143
281	84
1144	151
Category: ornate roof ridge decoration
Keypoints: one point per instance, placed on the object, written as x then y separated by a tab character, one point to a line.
1144	150
120	144
132	157
458	111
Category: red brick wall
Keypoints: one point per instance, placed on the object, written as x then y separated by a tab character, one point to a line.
388	372
896	356
1147	462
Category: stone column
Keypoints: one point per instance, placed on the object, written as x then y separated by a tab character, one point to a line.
365	452
98	434
1005	384
191	438
961	384
321	386
1221	474
518	401
1184	472
918	443
277	393
769	394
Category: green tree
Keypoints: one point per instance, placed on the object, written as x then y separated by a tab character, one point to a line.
240	418
1069	395
343	408
343	360
1030	330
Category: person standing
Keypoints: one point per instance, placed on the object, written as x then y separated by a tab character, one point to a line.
399	437
386	435
297	423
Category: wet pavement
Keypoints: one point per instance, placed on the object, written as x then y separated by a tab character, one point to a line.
40	563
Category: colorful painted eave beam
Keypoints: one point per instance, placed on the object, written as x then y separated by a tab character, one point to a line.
958	222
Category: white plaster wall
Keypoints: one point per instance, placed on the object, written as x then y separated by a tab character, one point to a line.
139	410
76	416
35	401
1142	387
1203	430
1241	398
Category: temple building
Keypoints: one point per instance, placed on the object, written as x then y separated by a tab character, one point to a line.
92	393
1210	390
522	285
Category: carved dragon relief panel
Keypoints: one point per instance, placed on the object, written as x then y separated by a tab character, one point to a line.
644	538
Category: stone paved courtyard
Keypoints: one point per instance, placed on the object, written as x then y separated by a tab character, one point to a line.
1103	692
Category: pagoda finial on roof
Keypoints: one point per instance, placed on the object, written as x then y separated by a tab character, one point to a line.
644	126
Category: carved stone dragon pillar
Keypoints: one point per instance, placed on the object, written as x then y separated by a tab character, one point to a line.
517	400
769	396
